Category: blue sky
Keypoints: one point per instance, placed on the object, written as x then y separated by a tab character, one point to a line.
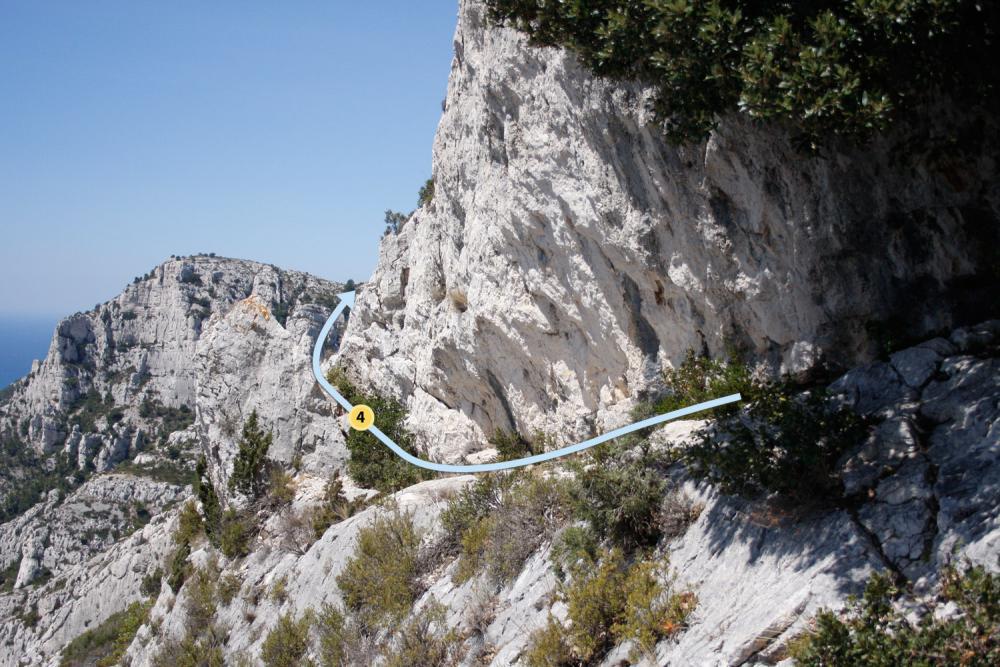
133	130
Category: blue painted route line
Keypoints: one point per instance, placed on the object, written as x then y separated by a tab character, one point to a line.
347	301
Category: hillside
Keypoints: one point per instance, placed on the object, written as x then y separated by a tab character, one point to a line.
177	490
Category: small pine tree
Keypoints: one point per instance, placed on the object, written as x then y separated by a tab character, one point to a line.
250	467
209	500
426	193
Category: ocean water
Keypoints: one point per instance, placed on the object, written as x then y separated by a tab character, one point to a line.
21	340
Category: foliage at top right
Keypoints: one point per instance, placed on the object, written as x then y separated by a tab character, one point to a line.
847	68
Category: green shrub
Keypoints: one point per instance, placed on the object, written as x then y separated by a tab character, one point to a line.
608	602
512	446
700	379
279	590
426	193
394	221
780	444
201	645
498	522
572	546
286	644
179	567
9	575
104	645
189	524
210	505
235	534
848	68
874	633
281	488
200	604
417	644
150	586
229	587
250	468
340	640
371	463
621	501
549	647
29	616
335	506
192	651
380	580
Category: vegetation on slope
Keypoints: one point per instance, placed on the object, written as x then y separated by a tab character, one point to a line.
875	632
840	67
372	464
104	645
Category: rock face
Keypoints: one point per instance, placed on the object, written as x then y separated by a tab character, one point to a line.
129	396
248	362
568	256
570	253
141	345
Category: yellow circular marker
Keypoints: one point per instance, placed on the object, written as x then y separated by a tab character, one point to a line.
361	418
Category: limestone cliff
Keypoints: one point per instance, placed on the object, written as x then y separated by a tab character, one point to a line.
570	253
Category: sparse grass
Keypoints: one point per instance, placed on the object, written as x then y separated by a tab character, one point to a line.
423	640
499	521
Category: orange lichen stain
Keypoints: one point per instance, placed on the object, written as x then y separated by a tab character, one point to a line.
254	303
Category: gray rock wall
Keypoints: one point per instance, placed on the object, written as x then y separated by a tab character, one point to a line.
570	253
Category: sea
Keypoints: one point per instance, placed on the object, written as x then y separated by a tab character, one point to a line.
23	338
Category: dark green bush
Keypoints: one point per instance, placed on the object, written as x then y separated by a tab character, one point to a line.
843	67
236	531
779	444
512	446
874	633
180	568
700	379
620	500
250	468
426	194
372	464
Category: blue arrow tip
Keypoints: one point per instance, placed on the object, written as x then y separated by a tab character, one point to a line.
347	298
